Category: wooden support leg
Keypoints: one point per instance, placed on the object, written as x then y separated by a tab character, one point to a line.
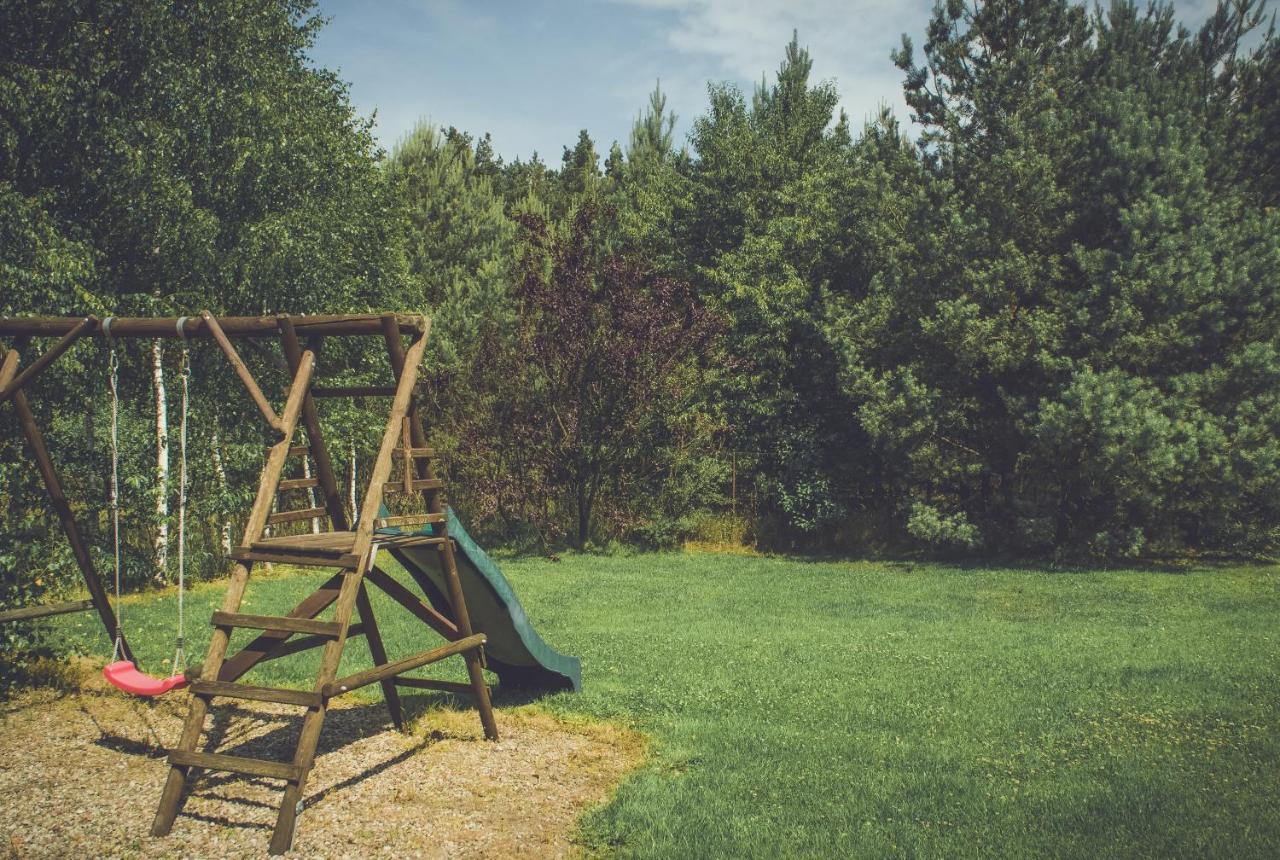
79	549
475	668
379	654
309	738
171	796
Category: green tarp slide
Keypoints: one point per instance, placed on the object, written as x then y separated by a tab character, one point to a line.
514	651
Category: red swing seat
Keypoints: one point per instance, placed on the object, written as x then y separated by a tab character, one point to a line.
126	676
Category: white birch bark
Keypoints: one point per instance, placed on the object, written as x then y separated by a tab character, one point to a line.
351	482
220	475
161	546
311	495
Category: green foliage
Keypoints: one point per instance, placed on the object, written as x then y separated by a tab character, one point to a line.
762	239
1048	326
1079	356
156	161
459	242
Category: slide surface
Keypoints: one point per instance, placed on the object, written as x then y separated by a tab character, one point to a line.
514	651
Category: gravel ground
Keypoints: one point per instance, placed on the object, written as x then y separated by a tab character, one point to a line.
81	772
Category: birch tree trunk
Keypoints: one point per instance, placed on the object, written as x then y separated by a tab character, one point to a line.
351	483
161	547
311	495
220	475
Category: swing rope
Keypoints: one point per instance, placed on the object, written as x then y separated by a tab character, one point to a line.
120	672
113	364
179	655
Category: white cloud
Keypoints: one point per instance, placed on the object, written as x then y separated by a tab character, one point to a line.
849	41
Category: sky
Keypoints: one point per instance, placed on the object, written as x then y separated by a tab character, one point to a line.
534	73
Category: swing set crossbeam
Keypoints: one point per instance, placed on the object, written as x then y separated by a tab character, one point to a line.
320	325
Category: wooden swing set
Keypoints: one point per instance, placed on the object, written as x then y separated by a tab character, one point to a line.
350	549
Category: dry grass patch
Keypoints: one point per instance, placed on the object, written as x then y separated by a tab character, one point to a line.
81	772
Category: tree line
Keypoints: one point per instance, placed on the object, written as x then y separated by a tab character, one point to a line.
1041	321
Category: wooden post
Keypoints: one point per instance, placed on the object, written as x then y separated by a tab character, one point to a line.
405	364
378	652
305	754
66	518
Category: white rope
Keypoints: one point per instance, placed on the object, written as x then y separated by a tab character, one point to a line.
113	363
179	654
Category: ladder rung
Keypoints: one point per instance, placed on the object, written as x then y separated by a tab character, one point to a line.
294	516
257	694
299	449
416	452
235	764
415	520
276	622
267	556
297	483
420	484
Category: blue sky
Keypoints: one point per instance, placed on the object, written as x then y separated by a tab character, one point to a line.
534	73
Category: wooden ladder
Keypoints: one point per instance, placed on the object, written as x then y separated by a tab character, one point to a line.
353	552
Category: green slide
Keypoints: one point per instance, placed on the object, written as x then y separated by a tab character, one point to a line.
514	651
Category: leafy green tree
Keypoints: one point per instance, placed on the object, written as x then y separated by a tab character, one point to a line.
603	361
160	161
762	239
459	241
1086	360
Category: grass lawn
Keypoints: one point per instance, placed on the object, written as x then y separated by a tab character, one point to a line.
828	709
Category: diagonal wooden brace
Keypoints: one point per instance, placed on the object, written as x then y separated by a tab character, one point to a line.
242	371
53	354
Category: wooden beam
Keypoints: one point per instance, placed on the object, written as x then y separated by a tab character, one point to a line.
9	368
275	622
379	653
46	610
423	611
433	684
319	325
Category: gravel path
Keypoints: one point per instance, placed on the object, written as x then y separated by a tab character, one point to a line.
81	772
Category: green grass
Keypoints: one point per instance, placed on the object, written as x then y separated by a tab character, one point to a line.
825	709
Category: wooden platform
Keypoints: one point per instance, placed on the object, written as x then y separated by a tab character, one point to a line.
332	549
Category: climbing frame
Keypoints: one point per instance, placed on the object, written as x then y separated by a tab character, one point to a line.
348	551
